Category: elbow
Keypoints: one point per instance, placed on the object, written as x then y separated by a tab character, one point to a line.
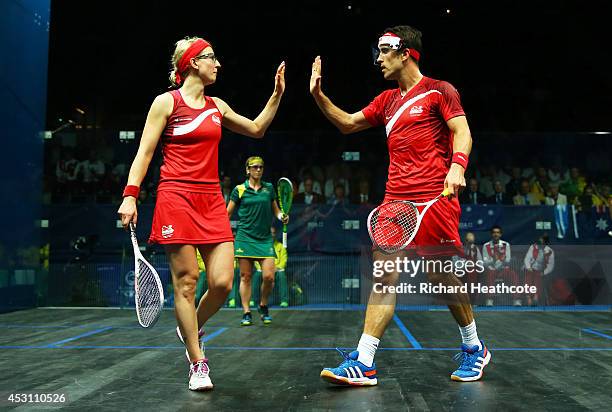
258	132
346	128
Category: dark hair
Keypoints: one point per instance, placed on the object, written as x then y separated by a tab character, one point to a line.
411	38
497	227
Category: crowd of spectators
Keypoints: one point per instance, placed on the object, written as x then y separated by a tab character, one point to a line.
537	186
78	174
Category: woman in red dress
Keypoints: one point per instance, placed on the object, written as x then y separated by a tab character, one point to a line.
190	212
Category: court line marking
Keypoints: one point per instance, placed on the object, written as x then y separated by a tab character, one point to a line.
415	343
594	332
33	326
594	349
82	335
359	307
216	333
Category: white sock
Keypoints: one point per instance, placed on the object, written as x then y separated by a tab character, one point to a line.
469	336
367	349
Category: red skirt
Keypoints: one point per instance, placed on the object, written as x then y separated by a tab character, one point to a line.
190	218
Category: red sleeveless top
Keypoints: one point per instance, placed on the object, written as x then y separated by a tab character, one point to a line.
190	148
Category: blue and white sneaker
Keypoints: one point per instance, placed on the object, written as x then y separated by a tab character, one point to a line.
472	363
350	372
200	336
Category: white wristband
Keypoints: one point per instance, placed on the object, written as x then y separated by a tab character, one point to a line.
280	216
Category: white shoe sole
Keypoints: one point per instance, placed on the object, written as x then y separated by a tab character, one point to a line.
328	376
477	377
201	385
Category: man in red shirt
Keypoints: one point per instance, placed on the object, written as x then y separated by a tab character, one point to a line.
429	142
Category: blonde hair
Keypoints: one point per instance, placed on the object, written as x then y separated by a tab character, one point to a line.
179	49
250	161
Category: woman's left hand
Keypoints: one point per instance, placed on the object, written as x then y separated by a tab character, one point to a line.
285	219
279	80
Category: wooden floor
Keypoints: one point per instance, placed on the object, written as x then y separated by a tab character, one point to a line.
102	361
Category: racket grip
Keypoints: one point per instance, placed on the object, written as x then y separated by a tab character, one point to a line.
285	240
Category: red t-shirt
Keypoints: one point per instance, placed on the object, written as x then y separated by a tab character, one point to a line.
190	148
419	141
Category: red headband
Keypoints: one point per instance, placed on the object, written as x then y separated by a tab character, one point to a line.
191	52
395	42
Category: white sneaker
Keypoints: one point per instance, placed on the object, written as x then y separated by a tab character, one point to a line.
200	336
199	379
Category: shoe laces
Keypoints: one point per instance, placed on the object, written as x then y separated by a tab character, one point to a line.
465	360
347	359
200	368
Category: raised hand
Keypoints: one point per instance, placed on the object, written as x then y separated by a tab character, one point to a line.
315	77
279	80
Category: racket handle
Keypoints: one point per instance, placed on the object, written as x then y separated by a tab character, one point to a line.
285	239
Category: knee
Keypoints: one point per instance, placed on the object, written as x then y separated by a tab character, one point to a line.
246	276
387	279
186	284
268	277
222	286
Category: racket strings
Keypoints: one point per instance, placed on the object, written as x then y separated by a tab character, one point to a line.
148	297
393	225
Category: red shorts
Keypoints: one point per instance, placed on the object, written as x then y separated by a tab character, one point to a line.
190	218
438	234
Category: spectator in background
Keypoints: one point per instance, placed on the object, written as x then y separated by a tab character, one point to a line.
606	194
97	167
65	167
554	175
554	197
503	177
363	193
90	171
335	178
573	185
497	257
471	195
118	175
485	183
588	199
514	185
500	197
539	184
226	188
308	196
539	261
65	174
339	196
315	185
525	197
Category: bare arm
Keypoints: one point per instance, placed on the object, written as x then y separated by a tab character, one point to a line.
462	142
345	122
154	126
276	210
254	128
231	205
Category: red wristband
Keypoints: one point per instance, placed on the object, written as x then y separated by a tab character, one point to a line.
131	190
460	159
